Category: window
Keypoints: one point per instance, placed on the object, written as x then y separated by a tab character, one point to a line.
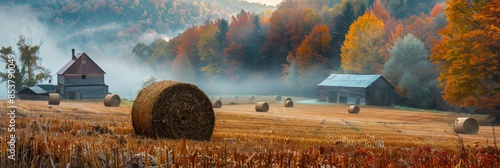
84	76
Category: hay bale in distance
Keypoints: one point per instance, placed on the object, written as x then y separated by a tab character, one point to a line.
466	125
261	107
278	98
289	103
251	98
54	99
353	109
216	103
112	100
288	98
218	98
175	110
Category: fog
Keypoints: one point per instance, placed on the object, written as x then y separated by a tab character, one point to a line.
122	75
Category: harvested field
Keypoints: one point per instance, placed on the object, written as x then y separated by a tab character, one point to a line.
306	135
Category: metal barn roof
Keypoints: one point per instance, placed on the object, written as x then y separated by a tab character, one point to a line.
35	89
349	80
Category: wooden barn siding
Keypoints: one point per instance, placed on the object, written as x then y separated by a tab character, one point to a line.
380	93
24	96
97	79
352	93
86	92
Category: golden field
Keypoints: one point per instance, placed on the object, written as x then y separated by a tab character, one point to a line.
88	134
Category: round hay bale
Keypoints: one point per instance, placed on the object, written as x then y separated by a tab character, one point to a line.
251	98
175	110
278	98
466	125
353	109
261	107
54	99
288	98
216	104
289	103
112	100
218	98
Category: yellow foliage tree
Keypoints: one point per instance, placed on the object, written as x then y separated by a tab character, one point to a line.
363	49
469	54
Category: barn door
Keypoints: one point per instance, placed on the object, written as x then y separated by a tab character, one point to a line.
332	96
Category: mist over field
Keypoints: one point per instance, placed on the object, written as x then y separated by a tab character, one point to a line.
241	47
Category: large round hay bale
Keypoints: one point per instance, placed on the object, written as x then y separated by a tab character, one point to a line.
466	125
112	100
261	107
278	98
251	98
216	103
288	103
288	98
353	109
54	99
173	110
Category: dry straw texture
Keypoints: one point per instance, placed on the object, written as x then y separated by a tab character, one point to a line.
54	99
278	98
216	104
261	107
173	110
288	99
466	125
112	100
353	109
288	103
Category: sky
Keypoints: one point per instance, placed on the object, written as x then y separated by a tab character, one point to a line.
267	2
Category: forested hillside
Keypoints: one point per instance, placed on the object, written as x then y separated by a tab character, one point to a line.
302	42
120	24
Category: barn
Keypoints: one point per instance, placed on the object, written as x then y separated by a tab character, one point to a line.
33	93
81	78
356	89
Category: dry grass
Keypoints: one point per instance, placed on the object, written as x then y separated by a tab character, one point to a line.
87	134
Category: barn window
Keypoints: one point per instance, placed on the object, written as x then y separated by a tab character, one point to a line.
84	76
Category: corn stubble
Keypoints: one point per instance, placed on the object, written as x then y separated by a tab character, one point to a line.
53	140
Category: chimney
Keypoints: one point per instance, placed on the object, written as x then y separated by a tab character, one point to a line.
73	57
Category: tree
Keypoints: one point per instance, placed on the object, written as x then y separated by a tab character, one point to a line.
211	57
237	51
30	72
341	27
469	54
408	70
362	52
314	49
142	51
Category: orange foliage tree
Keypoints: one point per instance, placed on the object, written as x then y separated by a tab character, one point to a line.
314	48
363	49
469	54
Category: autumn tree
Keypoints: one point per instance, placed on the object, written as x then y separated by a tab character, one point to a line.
213	61
314	49
408	70
362	52
341	27
238	48
469	54
188	45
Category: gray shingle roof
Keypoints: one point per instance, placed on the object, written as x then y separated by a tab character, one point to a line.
349	80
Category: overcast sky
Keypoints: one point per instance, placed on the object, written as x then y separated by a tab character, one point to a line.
267	2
